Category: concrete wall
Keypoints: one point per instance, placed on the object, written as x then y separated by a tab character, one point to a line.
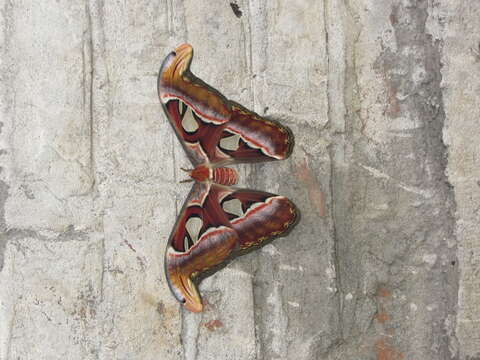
383	98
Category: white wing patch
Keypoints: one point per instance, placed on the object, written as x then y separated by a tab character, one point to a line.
193	226
189	123
180	107
233	207
230	142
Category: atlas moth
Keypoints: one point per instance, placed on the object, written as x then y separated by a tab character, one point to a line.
217	220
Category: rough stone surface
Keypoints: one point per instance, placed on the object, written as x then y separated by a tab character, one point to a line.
382	97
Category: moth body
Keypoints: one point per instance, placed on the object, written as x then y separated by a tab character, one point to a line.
225	176
219	175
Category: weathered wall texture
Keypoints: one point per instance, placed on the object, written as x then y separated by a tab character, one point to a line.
383	98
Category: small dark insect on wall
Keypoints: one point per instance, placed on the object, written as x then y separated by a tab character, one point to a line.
236	9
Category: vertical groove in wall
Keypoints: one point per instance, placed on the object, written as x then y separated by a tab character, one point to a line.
6	104
460	86
247	35
336	57
256	19
97	106
88	85
426	102
3	227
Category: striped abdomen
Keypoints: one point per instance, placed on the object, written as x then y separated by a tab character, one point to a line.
225	176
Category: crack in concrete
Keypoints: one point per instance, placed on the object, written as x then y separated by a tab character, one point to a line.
7	108
70	234
335	237
249	50
3	226
426	193
336	130
327	56
103	262
91	74
11	326
249	55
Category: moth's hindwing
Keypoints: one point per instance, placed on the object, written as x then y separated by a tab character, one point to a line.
202	238
258	216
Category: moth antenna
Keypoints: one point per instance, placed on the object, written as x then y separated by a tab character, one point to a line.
186	180
186	170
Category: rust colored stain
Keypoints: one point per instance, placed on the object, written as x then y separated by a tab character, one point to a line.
315	193
392	105
382	317
384	351
206	303
383	292
213	325
393	108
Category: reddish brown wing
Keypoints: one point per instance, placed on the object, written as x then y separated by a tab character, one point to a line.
257	216
210	127
202	237
215	221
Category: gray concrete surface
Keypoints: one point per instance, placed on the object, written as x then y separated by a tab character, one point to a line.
383	98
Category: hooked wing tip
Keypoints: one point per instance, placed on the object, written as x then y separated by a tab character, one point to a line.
184	48
175	64
182	285
194	306
192	300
